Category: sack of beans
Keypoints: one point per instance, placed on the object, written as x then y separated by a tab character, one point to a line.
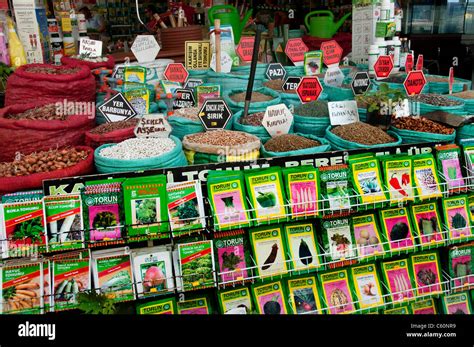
138	154
312	118
221	146
294	144
344	92
261	98
395	81
107	62
114	132
50	83
360	135
468	97
244	70
229	81
420	129
440	84
29	171
430	102
252	124
38	126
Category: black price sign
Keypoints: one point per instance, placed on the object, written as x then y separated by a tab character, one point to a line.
117	108
184	99
276	71
291	83
214	114
361	83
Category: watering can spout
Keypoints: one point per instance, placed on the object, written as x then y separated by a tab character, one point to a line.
341	21
245	19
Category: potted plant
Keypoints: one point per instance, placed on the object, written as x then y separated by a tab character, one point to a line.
5	71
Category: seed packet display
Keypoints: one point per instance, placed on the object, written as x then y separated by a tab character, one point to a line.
367	181
198	305
367	286
302	189
470	200
270	298
163	306
134	74
458	303
304	295
457	217
113	273
47	280
235	298
403	309
367	236
227	198
63	215
398	174
185	207
426	306
102	206
335	188
468	150
232	250
448	160
338	239
32	195
153	271
427	224
145	207
398	279
265	191
196	262
427	270
139	98
337	292
397	229
303	246
461	266
269	250
426	177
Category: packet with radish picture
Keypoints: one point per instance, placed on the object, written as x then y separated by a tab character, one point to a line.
338	241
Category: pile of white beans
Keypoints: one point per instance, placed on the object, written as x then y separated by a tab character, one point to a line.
138	148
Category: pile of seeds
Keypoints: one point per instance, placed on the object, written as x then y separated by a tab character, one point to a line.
362	133
138	148
256	97
254	119
277	85
467	94
313	109
399	78
436	79
90	59
189	113
52	71
47	112
109	127
421	124
436	100
221	138
289	142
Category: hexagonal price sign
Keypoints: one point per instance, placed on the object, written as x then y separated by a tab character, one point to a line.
276	71
176	72
332	52
383	66
214	114
184	99
295	49
414	82
291	83
309	89
277	120
145	48
245	48
360	83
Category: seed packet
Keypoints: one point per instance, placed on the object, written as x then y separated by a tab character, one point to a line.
367	236
426	306
303	246
235	298
471	206
367	181
265	189
426	178
427	224
427	270
233	255
398	279
144	201
304	295
457	303
461	266
185	207
196	263
338	240
367	286
398	174
336	188
153	271
23	230
47	280
269	250
70	276
337	292
448	159
397	230
402	309
170	87
134	74
197	305
33	195
302	189
227	199
468	150
457	217
64	224
21	287
207	91
113	273
102	209
270	298
139	98
313	63
163	306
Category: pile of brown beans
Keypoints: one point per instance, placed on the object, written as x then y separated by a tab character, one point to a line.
421	124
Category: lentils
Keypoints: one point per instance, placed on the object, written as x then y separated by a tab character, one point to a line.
138	148
256	97
254	119
362	133
289	142
278	85
52	71
47	112
436	100
313	109
421	124
189	113
109	127
467	94
225	138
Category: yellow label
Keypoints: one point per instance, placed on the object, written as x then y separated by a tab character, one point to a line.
197	55
66	24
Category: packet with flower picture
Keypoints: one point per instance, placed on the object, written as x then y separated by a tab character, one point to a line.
397	230
457	218
427	270
397	277
304	295
426	306
367	286
337	292
367	236
426	178
270	298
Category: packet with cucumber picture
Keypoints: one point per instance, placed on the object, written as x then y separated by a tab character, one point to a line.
233	253
458	303
336	189
302	246
425	306
195	305
338	240
304	295
367	236
427	224
234	299
448	158
427	270
398	178
457	217
270	298
397	277
337	291
163	306
302	189
397	230
426	178
367	286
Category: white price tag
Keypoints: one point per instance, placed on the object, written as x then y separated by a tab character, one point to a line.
145	48
334	76
91	48
277	120
153	125
226	62
343	112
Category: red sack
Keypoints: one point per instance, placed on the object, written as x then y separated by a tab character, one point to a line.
24	86
109	64
35	181
27	136
116	136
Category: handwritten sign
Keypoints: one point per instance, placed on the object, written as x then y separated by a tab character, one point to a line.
277	120
226	62
145	48
343	112
334	76
91	48
153	125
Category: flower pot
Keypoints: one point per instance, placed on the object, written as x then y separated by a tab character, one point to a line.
379	120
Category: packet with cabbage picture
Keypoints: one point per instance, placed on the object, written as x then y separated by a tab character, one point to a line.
304	295
196	264
163	306
338	240
302	189
461	266
457	217
336	189
337	292
367	182
232	250
398	279
303	246
456	303
427	224
427	270
398	174
231	299
426	306
367	286
402	309
426	178
397	230
270	298
367	236
448	159
195	305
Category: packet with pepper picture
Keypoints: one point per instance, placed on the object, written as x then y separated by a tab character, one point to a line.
397	230
427	270
235	298
233	254
337	291
302	246
398	174
367	182
426	222
304	295
336	189
270	298
302	189
457	218
397	277
426	178
163	306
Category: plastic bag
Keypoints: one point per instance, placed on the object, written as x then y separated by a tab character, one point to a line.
109	64
15	48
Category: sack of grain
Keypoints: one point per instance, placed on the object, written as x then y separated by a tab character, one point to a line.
292	141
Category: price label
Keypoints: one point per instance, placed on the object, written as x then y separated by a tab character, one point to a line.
145	48
153	125
361	83
226	62
334	76
117	108
214	114
291	83
91	48
295	50
332	52
184	99
276	71
197	55
309	89
245	48
383	66
277	120
176	72
343	112
415	82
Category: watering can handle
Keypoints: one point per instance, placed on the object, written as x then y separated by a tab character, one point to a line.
329	13
213	9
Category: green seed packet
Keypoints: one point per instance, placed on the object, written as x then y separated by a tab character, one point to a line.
427	270
233	255
468	149
235	298
22	196
163	306
302	189
461	266
139	99
425	306
471	207
313	63
398	281
336	189
398	178
338	239
170	87
402	309
207	91
270	298
196	262
134	74
457	218
304	295
426	178
367	182
426	223
337	291
367	286
195	305
397	230
302	246
458	303
448	160
367	236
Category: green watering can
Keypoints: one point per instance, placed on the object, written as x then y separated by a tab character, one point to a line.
229	17
322	23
